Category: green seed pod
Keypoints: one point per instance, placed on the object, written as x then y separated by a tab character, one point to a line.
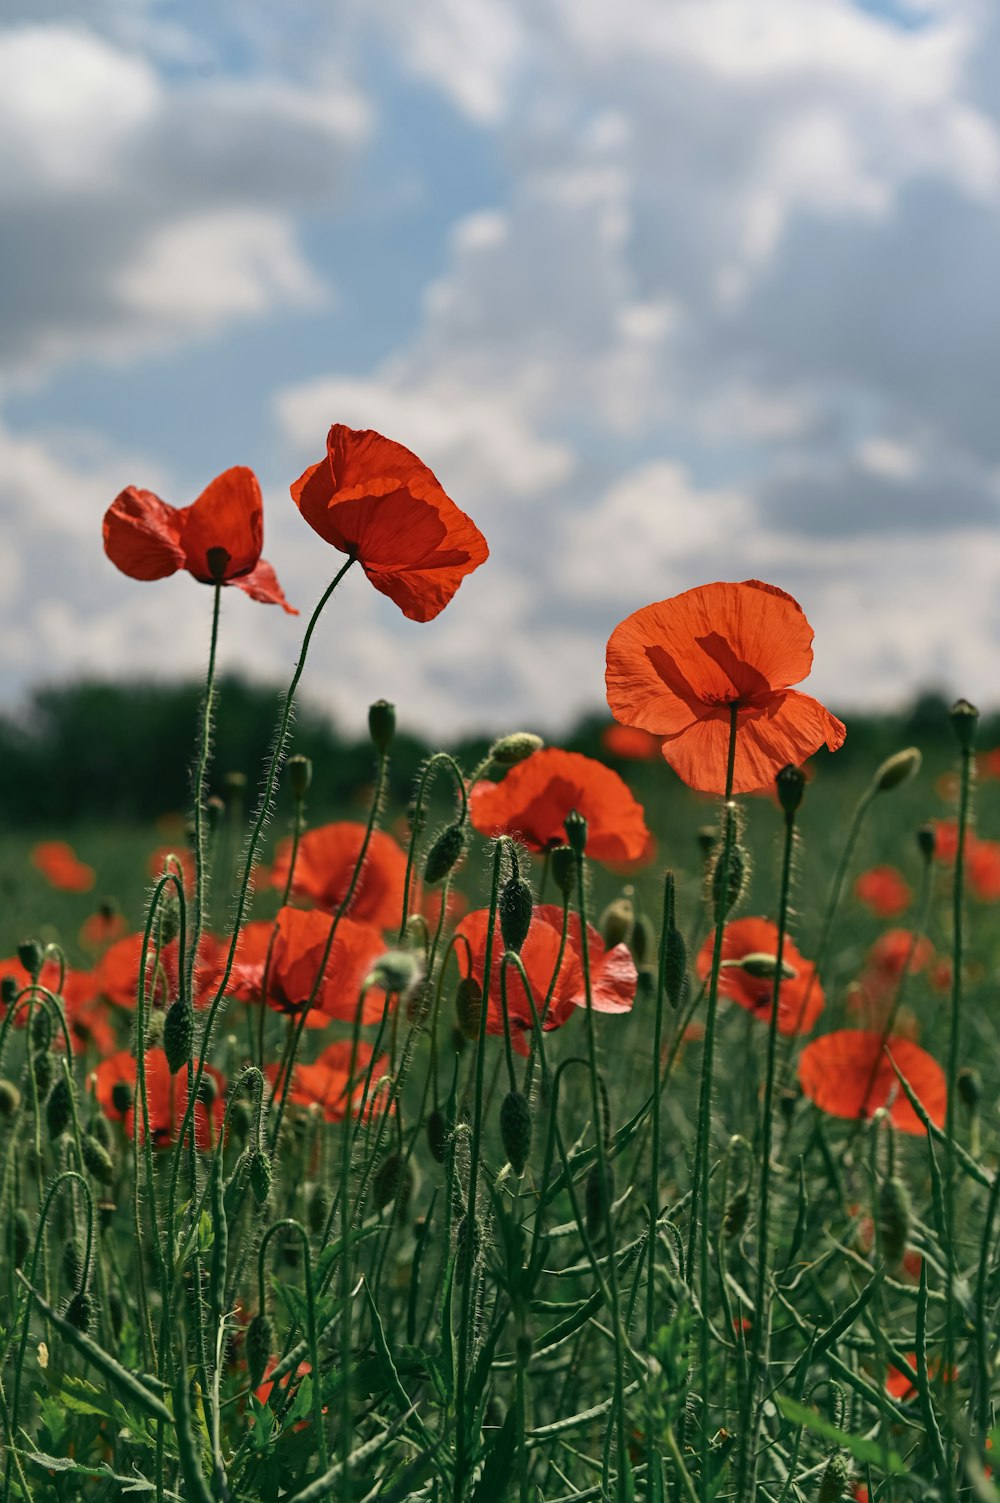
317	1209
98	1161
260	1338
790	784
122	1096
970	1088
739	871
562	865
41	1028
300	772
515	1129
762	967
259	1173
72	1263
469	1007
31	954
893	1220
100	1128
510	750
21	1236
965	722
835	1481
9	991
599	1192
59	1107
392	1182
576	831
515	904
445	853
926	841
617	922
45	1069
382	724
80	1311
10	1099
437	1134
896	770
643	939
178	1035
675	972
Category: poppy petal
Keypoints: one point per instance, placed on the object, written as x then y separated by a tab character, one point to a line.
262	584
849	1074
227	516
142	535
778	729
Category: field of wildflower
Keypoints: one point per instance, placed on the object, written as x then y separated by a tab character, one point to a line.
554	1135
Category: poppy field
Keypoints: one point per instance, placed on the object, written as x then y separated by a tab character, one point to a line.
579	1128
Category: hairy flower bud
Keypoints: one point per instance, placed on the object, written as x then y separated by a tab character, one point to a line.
835	1481
965	722
736	877
300	772
260	1337
643	940
790	784
515	1129
509	750
80	1311
897	769
393	1183
72	1263
469	1007
617	922
515	904
576	831
762	967
926	841
122	1096
168	911
178	1035
562	864
468	1244
9	991
259	1174
893	1220
445	852
397	972
44	1070
10	1099
970	1088
97	1160
20	1236
382	724
675	973
59	1108
31	954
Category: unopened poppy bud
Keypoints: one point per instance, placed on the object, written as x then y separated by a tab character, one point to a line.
970	1088
10	1099
897	769
234	783
258	1347
41	1028
510	750
617	922
835	1481
59	1108
215	811
97	1160
790	783
100	1128
675	975
382	724
31	954
317	1209
515	1129
598	1193
927	841
9	990
469	1007
445	853
736	1213
643	940
576	831
20	1236
515	904
562	865
178	1035
965	722
169	910
80	1311
71	1263
392	1183
763	967
893	1220
437	1134
122	1097
300	773
736	876
259	1174
396	972
44	1071
468	1241
707	837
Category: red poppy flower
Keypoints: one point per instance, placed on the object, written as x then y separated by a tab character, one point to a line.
324	1084
48	977
533	800
100	929
262	1392
300	938
116	974
86	1015
676	668
612	972
373	499
800	997
899	1385
849	1074
166	1097
61	867
988	763
217	539
887	960
629	743
884	890
911	1263
324	867
169	858
984	870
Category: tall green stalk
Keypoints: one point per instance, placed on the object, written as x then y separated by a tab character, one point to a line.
201	770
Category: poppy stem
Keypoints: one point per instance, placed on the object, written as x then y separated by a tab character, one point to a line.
201	768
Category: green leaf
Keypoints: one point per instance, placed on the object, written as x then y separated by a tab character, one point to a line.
859	1448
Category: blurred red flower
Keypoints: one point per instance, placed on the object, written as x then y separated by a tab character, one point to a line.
630	743
887	960
533	800
116	975
166	1097
849	1074
61	867
982	859
299	940
99	929
800	998
324	1083
884	890
324	866
676	668
612	972
375	500
217	539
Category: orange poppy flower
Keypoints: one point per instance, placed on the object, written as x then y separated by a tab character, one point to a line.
48	977
849	1074
116	975
676	668
533	800
982	859
324	1084
898	1384
375	500
300	938
324	867
629	743
166	1097
800	997
61	867
884	890
99	929
887	960
612	972
217	539
86	1015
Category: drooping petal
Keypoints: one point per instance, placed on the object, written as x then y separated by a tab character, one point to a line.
262	584
142	535
228	517
774	731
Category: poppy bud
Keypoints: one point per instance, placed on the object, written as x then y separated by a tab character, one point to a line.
736	1213
44	1070
122	1097
10	1099
468	1241
790	783
763	967
893	1220
382	724
897	769
392	1181
234	783
926	841
643	941
259	1173
215	810
617	922
437	1134
970	1088
562	864
675	967
317	1209
258	1347
396	972
510	750
418	1006
965	722
154	1029
737	875
106	1211
97	1160
80	1311
178	1035
41	1028
71	1263
59	1107
240	1119
515	1129
515	905
21	1236
599	1192
836	1480
707	836
576	831
32	956
9	991
300	774
169	909
100	1128
469	1007
445	853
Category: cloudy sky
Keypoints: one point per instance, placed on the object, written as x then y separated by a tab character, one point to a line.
665	291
